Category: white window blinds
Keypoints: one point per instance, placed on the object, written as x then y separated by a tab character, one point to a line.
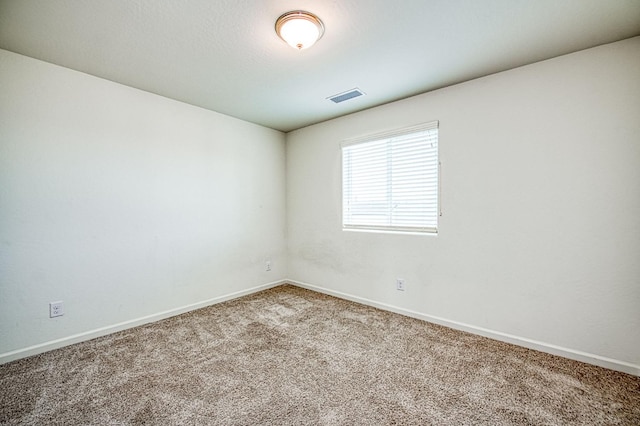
390	181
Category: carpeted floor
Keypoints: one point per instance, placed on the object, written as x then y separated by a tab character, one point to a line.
292	356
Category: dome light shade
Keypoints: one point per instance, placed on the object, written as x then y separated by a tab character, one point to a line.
299	29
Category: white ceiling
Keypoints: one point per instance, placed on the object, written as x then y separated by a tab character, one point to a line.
224	55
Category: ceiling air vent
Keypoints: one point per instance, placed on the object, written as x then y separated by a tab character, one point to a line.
345	96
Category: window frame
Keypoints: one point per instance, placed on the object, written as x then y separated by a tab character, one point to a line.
387	136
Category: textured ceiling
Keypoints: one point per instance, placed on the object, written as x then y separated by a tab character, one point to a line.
224	55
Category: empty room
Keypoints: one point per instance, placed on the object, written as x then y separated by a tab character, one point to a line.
325	212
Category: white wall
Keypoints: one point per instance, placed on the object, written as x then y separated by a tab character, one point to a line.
129	206
125	204
540	238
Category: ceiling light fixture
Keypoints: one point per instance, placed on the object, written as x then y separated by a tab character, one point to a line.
299	29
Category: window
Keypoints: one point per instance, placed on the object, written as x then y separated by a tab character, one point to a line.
390	181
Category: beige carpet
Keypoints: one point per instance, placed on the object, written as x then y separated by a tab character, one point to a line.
292	356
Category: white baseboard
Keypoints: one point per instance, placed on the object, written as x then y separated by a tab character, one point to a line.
588	358
600	361
103	331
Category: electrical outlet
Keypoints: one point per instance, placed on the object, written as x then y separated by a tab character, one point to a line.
400	284
267	265
56	309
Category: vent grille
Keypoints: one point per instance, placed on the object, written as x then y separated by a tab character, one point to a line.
345	96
